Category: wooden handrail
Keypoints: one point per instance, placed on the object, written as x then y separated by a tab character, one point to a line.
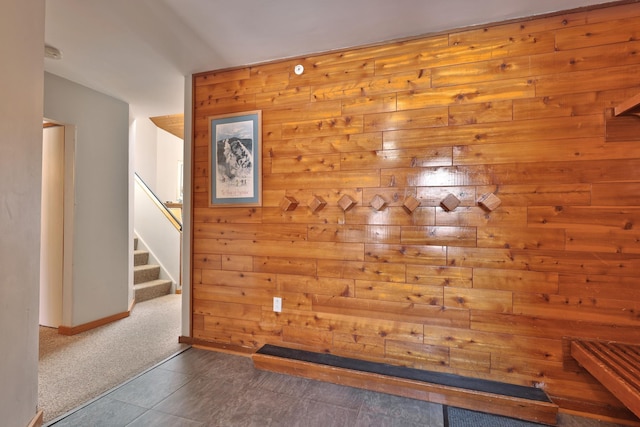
163	208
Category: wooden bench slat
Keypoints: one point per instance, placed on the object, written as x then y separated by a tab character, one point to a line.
632	353
617	363
607	366
626	361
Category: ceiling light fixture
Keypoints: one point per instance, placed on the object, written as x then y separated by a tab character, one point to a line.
52	52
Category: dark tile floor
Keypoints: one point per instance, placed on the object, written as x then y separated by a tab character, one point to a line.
205	388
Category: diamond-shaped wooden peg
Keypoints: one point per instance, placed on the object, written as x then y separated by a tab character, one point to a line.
288	203
410	204
317	204
346	202
450	202
489	201
378	203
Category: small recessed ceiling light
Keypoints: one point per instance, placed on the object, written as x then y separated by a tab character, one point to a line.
299	69
52	52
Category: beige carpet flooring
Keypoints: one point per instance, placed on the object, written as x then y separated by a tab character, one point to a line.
76	369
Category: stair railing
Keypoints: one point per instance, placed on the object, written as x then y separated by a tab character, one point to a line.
165	210
169	259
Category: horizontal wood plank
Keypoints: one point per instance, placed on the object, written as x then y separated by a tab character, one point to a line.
414	271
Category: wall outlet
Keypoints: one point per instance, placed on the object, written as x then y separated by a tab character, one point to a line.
277	304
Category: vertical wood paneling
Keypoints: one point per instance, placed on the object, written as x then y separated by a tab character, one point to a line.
516	110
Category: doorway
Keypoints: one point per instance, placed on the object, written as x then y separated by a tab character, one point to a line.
56	222
52	226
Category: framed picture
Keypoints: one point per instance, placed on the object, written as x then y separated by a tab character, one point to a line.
235	159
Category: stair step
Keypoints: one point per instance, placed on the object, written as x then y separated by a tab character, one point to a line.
145	273
146	277
140	257
151	289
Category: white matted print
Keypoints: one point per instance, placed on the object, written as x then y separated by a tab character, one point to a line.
235	159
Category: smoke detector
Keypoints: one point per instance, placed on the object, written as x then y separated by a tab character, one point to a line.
52	52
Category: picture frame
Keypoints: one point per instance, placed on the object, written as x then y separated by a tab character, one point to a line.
235	159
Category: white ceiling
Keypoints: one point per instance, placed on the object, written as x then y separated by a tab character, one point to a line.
140	50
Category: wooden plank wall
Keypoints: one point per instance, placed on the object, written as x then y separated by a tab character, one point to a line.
516	110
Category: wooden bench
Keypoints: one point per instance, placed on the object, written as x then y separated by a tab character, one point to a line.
525	403
615	365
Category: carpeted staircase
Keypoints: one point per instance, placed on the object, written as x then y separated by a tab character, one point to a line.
147	283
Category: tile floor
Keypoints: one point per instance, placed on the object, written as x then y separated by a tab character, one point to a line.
206	388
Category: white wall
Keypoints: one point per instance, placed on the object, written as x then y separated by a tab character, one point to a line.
21	47
145	148
169	153
156	157
101	215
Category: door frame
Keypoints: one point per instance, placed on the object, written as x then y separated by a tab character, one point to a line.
68	220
